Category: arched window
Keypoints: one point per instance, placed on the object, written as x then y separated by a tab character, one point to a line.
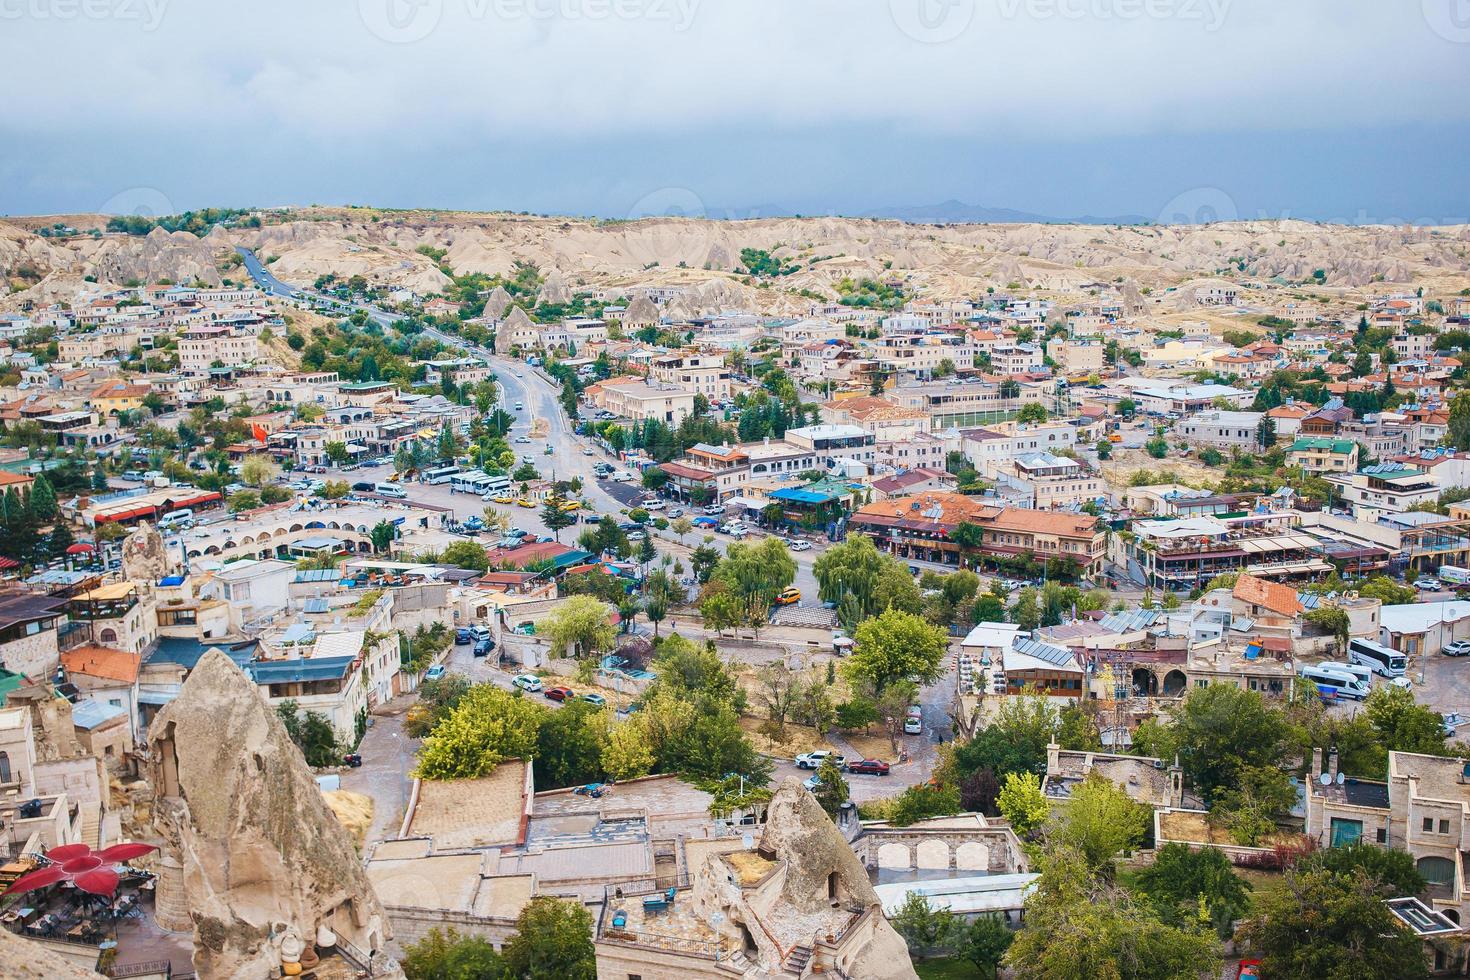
108	635
4	767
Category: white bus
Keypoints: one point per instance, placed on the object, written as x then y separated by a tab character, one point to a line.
1378	658
494	483
1454	575
1346	685
442	474
465	482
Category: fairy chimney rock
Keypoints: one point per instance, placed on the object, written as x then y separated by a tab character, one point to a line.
252	854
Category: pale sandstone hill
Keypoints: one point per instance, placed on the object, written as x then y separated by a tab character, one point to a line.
935	261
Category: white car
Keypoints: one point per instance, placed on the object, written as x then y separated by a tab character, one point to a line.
796	544
913	726
1428	584
522	441
814	760
528	682
588	452
1458	648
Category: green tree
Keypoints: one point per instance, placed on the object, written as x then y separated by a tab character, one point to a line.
895	645
1022	802
382	535
257	470
570	746
553	939
466	554
1394	872
863	582
756	573
42	500
1222	729
832	791
1100	821
1183	882
582	623
554	517
1387	591
1082	928
1401	724
983	943
1031	412
720	609
449	956
485	728
313	734
336	451
1334	621
1026	612
926	930
1324	924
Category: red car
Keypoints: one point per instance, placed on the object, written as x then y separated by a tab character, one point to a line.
560	693
869	767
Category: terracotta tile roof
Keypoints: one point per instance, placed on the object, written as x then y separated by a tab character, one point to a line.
15	479
1288	412
102	662
1278	598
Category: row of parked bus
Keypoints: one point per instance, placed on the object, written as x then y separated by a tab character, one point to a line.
1354	679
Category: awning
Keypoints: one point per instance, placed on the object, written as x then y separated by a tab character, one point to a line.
196	499
80	548
125	515
8	563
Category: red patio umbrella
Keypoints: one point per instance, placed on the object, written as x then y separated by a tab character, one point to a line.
80	548
91	871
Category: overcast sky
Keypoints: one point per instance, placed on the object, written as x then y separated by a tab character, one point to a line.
1330	109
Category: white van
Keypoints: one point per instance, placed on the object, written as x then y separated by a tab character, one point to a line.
1363	674
390	490
176	518
1347	685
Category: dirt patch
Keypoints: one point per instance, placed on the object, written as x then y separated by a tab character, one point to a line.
872	746
1119	470
1195	828
750	866
796	740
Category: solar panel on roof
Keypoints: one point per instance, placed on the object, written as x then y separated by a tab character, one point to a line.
316	605
1060	656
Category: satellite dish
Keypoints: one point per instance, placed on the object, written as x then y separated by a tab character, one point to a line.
748	841
1325	779
717	919
1340	778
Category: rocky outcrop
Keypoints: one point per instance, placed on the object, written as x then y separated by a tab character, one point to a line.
22	959
639	314
497	303
144	555
252	856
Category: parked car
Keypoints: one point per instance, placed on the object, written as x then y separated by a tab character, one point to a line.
789	596
461	636
913	726
813	782
797	544
868	767
559	694
522	441
528	682
1458	648
1428	584
483	647
814	760
434	673
596	699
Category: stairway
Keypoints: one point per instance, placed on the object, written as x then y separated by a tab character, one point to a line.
91	814
796	961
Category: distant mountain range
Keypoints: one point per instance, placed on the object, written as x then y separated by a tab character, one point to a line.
944	213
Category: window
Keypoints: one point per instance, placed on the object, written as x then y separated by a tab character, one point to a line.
1382	835
4	767
1444	826
1429	825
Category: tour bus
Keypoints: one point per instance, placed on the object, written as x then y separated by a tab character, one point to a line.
493	484
442	474
465	482
1378	658
1346	685
1454	575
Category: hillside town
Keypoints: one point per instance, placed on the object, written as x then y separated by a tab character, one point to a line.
801	615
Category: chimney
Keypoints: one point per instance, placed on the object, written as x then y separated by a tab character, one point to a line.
1332	761
1317	762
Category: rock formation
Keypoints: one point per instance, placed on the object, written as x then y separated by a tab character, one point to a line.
22	959
497	303
144	555
639	314
800	834
251	853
